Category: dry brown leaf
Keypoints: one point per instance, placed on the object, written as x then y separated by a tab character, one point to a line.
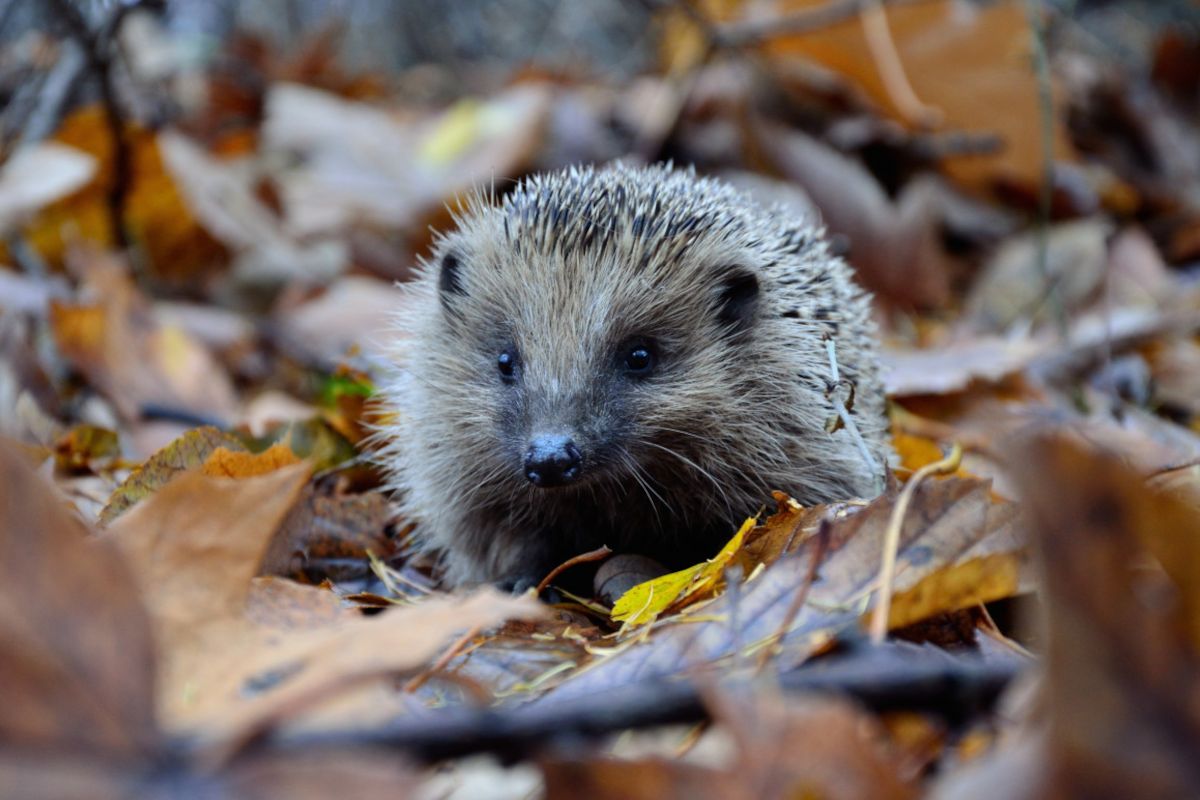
350	174
812	747
279	603
955	366
222	195
227	668
331	676
1016	287
950	523
895	246
783	747
115	340
1124	614
322	331
157	219
644	779
78	721
971	62
782	532
196	543
324	531
77	662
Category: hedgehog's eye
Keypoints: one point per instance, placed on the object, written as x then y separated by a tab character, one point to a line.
638	358
506	362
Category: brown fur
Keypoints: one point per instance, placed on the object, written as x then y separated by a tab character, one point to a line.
567	268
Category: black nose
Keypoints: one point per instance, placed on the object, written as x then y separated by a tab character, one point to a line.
552	461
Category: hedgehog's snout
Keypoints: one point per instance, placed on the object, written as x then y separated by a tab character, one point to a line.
552	460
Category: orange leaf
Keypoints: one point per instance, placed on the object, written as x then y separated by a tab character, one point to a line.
226	463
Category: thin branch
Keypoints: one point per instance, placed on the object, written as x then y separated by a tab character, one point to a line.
592	555
820	548
417	681
54	94
1041	66
891	540
891	677
756	31
890	68
99	50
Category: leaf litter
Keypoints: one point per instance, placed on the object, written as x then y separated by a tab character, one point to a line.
234	607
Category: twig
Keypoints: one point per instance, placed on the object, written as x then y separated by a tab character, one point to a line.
810	577
56	92
892	677
751	32
99	50
847	420
1041	67
733	598
592	555
891	540
891	70
417	681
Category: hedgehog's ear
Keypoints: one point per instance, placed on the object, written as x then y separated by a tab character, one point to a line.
450	275
737	299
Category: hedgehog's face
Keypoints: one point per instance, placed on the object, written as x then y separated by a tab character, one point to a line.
588	378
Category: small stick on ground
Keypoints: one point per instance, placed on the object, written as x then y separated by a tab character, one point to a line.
806	20
891	68
592	555
818	555
417	681
100	48
891	540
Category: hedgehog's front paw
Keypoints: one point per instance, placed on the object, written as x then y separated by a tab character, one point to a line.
519	583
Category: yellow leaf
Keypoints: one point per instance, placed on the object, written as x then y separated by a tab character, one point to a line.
457	130
647	601
177	249
973	582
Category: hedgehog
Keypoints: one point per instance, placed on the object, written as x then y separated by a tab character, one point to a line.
624	356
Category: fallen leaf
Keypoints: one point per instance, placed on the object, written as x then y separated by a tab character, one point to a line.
222	196
332	535
78	659
348	173
972	63
951	523
187	452
177	250
226	463
642	779
322	332
1124	623
195	545
115	340
645	602
79	718
86	447
895	246
812	747
1016	287
39	174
